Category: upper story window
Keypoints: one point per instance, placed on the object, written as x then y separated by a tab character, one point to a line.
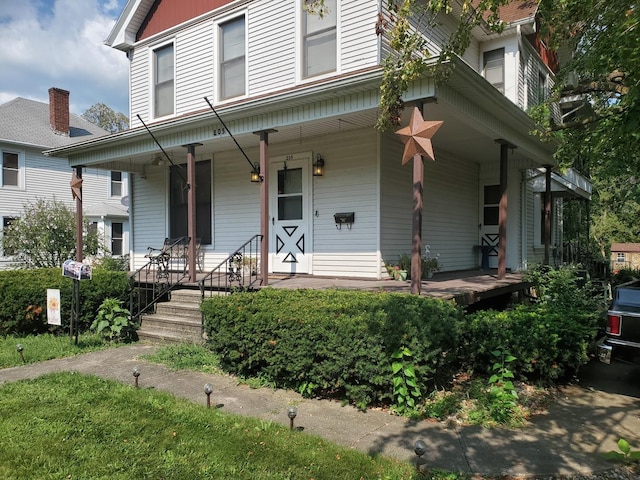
319	42
11	169
621	257
116	184
232	58
542	87
493	68
163	81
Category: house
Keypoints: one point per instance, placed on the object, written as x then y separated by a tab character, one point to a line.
28	127
297	95
625	256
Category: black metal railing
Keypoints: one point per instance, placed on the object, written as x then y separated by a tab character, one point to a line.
166	269
239	271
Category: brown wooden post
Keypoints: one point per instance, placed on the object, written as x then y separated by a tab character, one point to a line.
502	215
416	245
264	205
79	225
191	210
547	215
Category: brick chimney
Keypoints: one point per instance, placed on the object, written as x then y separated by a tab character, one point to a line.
59	110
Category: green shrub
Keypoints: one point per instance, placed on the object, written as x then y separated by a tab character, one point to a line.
112	322
549	343
23	298
334	342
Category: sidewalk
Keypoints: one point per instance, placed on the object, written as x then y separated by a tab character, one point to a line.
569	440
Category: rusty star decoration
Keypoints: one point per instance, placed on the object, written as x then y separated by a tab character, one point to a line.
417	136
76	187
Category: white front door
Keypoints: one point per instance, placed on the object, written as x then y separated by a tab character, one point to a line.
290	206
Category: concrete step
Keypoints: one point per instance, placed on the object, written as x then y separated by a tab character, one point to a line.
168	322
157	336
186	296
178	309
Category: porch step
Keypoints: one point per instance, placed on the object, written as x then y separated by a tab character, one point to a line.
176	321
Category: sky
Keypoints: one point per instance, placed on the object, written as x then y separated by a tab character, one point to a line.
60	43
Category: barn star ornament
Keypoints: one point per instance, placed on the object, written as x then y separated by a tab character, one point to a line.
76	187
417	136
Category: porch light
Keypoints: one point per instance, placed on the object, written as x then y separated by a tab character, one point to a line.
255	175
291	413
318	166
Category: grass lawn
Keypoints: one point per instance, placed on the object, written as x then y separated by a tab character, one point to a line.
72	426
37	348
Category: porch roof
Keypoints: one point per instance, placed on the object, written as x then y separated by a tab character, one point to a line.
475	114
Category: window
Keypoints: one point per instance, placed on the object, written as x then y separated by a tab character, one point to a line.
178	201
10	169
6	222
621	257
320	41
116	184
116	238
491	209
163	81
542	87
232	58
493	68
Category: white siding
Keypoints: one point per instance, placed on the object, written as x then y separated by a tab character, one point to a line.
358	42
149	212
194	67
450	208
140	100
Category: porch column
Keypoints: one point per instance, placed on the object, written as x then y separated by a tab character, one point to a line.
191	210
264	205
76	191
502	215
416	245
547	215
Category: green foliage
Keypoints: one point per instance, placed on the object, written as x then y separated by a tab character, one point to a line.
406	26
113	264
405	387
45	235
106	430
112	321
105	117
186	356
625	454
333	343
24	292
502	391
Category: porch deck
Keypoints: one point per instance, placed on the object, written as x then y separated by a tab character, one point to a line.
464	287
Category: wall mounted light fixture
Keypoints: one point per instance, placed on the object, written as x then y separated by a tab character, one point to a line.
255	175
318	166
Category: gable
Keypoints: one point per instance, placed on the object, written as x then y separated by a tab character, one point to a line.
165	14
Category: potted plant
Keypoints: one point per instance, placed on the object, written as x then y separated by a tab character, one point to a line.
430	266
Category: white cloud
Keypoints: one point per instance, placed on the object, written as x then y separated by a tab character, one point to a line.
59	43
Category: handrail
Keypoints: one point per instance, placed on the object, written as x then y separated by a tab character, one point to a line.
164	271
239	271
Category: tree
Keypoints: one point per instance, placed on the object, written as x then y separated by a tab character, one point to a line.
103	116
604	68
45	234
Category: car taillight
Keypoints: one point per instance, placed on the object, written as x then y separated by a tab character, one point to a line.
613	324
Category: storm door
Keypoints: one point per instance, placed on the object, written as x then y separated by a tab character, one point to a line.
490	215
290	241
178	196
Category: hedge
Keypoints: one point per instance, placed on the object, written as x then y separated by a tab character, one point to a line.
333	343
23	298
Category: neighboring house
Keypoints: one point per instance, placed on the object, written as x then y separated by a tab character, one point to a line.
28	127
625	256
292	89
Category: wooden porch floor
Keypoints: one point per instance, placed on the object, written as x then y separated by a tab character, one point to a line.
464	287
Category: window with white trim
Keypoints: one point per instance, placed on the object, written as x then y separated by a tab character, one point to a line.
163	81
117	238
116	184
320	40
232	66
11	169
493	68
621	257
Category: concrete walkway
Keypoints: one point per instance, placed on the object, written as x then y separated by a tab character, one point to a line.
569	439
